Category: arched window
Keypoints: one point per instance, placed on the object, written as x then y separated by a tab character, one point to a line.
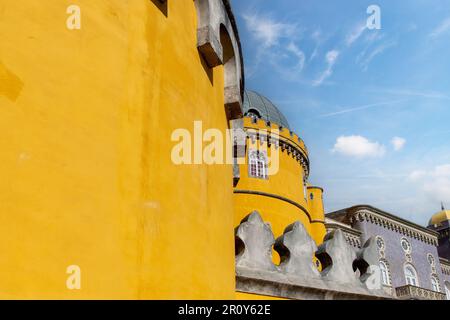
254	114
447	289
257	163
305	189
435	284
385	273
411	275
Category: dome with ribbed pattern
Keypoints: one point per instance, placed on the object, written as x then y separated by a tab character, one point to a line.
257	105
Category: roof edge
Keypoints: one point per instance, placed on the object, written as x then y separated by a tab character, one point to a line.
351	211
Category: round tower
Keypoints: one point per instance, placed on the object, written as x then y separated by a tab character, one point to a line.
273	180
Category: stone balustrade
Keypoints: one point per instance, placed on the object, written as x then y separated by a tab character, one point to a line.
415	293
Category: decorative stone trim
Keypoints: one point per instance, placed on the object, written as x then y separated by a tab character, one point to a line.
408	258
379	218
352	236
445	266
431	260
292	150
380	243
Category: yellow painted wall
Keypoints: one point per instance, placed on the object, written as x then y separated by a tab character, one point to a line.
316	209
86	177
287	183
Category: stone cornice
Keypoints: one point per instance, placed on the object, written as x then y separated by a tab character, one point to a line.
445	266
391	222
347	230
352	236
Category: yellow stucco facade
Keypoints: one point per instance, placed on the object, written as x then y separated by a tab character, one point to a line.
86	175
281	198
87	178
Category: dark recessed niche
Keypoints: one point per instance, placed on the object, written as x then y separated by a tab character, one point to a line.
161	5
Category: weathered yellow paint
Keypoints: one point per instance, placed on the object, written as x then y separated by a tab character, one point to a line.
10	84
86	176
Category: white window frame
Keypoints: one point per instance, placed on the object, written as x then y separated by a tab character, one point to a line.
435	285
258	164
412	280
447	289
385	274
305	190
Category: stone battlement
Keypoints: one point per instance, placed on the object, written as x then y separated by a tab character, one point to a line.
346	273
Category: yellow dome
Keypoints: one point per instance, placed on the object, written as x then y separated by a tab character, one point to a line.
440	217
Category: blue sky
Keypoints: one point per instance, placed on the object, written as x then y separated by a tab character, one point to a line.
373	106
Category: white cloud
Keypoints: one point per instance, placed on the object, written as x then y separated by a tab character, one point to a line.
314	54
318	39
317	36
355	34
358	146
275	46
373	36
369	55
330	58
417	175
359	108
298	54
442	171
267	30
434	183
398	143
413	93
441	29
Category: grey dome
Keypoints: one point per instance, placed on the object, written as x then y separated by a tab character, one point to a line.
256	104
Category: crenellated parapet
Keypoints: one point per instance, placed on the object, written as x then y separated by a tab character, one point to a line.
282	138
346	273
